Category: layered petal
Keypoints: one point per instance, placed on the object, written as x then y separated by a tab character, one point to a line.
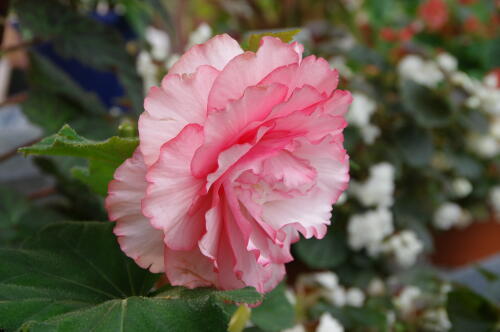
216	52
223	129
180	101
137	238
248	69
172	191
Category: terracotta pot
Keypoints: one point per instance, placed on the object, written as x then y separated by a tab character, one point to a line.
458	247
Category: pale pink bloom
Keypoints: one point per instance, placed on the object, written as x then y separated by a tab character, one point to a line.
239	153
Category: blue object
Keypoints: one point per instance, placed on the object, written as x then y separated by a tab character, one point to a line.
104	83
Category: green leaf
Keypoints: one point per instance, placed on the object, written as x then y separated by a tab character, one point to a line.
286	36
416	146
103	156
138	314
20	217
67	267
326	253
275	313
425	105
244	295
78	36
469	311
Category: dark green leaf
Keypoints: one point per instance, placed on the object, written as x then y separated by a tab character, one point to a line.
286	36
20	218
275	313
326	253
427	107
67	267
416	146
469	311
139	314
103	156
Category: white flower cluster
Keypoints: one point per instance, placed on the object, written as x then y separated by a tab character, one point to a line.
424	72
450	215
405	247
378	189
373	230
407	300
335	293
436	320
368	230
461	187
359	114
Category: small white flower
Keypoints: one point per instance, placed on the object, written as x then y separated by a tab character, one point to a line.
436	320
328	280
159	41
337	296
473	102
491	80
378	189
495	128
485	146
495	199
296	328
147	69
339	63
416	69
355	297
361	109
202	33
376	287
369	229
369	133
407	300
405	246
447	62
329	324
447	215
461	187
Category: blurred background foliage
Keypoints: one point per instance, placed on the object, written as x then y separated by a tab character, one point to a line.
423	209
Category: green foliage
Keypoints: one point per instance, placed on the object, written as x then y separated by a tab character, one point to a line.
426	106
254	40
275	313
73	276
103	156
416	146
20	218
80	37
326	253
469	311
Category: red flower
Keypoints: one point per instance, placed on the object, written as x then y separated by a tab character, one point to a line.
434	13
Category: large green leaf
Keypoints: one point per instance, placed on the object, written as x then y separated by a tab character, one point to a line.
137	314
103	156
67	267
469	311
275	313
74	277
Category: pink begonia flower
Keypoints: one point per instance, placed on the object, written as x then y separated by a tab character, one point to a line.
239	153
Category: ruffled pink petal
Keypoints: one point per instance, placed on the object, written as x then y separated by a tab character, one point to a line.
137	238
339	103
172	191
181	100
312	71
216	52
248	69
222	129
